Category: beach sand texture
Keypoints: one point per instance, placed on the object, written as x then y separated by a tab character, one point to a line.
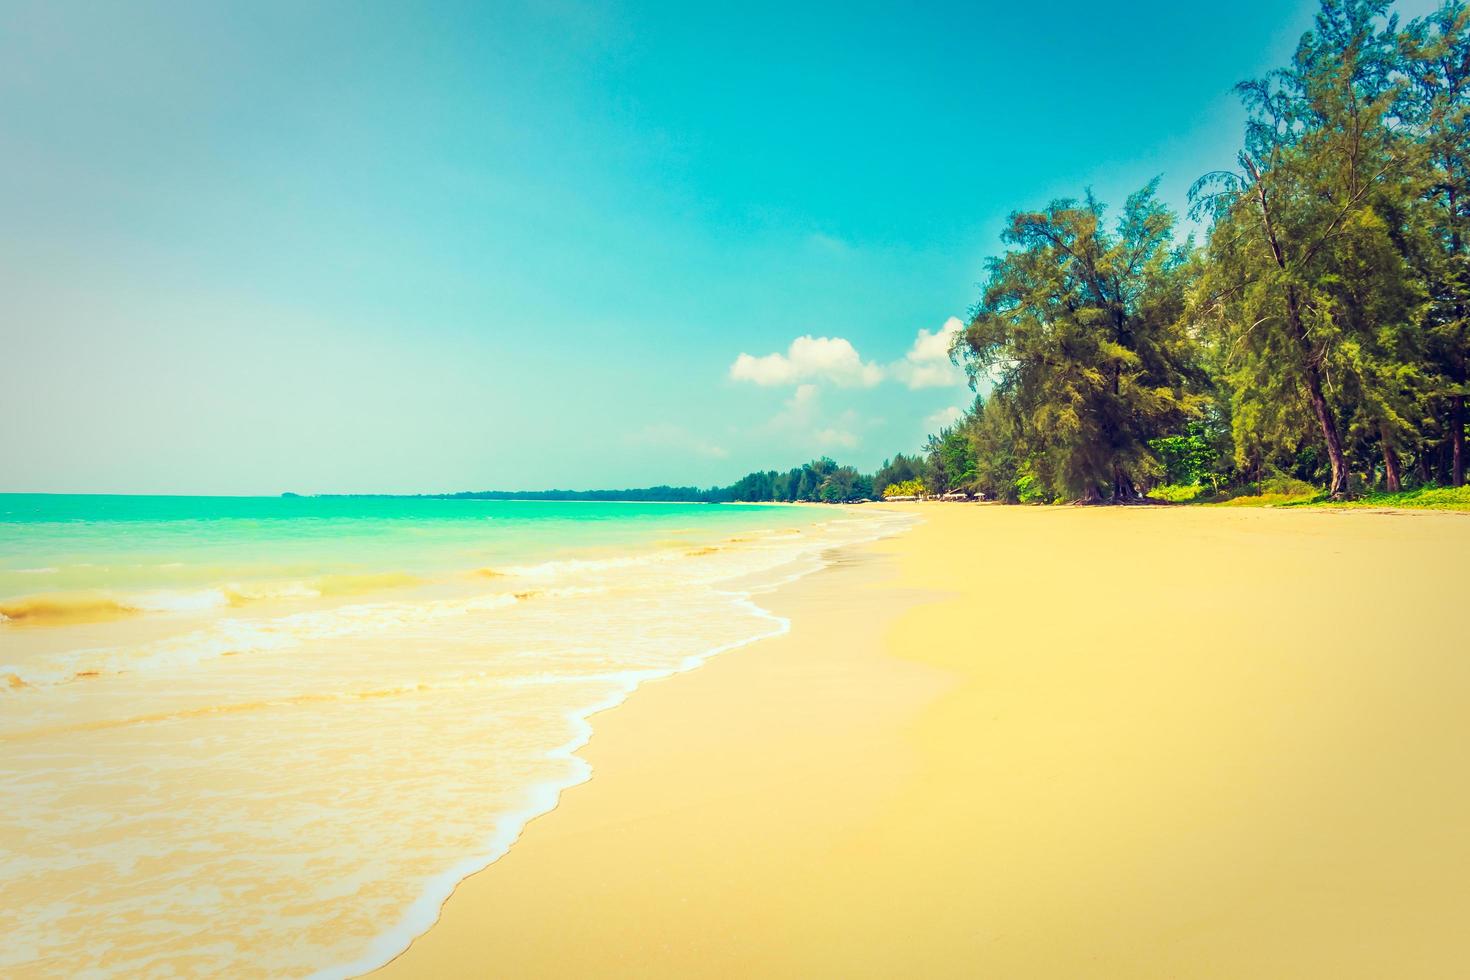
1032	742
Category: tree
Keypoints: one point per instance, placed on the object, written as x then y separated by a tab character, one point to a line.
1436	105
899	469
950	460
1081	328
993	433
1318	155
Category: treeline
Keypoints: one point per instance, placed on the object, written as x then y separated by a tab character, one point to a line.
659	494
1318	333
820	481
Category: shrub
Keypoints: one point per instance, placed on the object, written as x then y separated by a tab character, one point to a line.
1423	498
1274	492
906	488
1030	490
1176	493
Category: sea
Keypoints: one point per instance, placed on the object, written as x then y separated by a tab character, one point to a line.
267	736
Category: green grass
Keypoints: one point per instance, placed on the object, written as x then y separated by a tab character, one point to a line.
1176	493
1278	492
1270	500
1286	492
1294	493
1425	498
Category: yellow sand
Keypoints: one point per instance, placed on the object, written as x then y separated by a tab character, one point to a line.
1052	742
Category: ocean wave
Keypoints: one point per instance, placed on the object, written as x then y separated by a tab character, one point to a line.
663	553
64	608
92	606
237	636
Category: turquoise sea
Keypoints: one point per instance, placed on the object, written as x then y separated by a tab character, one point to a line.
147	547
266	736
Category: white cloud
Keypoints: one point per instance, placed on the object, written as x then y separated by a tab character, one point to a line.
927	364
667	435
803	420
831	359
800	410
944	417
811	363
836	437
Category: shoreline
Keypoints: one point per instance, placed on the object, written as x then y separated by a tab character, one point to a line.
391	744
953	762
781	601
544	798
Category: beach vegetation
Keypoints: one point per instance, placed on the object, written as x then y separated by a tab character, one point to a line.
1273	492
899	469
1313	345
1423	498
906	488
1176	493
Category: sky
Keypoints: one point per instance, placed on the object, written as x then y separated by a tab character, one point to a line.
382	247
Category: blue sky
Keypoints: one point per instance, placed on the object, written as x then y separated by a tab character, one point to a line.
404	247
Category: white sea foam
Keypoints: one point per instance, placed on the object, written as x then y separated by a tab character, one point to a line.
180	601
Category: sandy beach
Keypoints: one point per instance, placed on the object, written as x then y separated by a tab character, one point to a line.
1057	742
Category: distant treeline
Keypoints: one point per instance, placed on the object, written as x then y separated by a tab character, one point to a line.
1321	331
821	480
658	494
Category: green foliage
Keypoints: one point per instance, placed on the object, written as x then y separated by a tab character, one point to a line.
820	480
1321	334
897	470
1423	498
1329	266
992	432
1274	492
949	460
1176	493
659	494
906	488
1080	327
1030	490
1201	455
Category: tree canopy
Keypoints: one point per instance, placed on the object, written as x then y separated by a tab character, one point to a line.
1319	332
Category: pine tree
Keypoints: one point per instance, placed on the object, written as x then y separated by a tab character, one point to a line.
1080	326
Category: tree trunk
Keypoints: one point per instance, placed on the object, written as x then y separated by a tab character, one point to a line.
1338	488
1457	441
1311	365
1391	481
1123	488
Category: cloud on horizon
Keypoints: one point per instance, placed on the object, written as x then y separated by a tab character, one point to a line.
809	358
810	363
927	363
801	415
834	359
